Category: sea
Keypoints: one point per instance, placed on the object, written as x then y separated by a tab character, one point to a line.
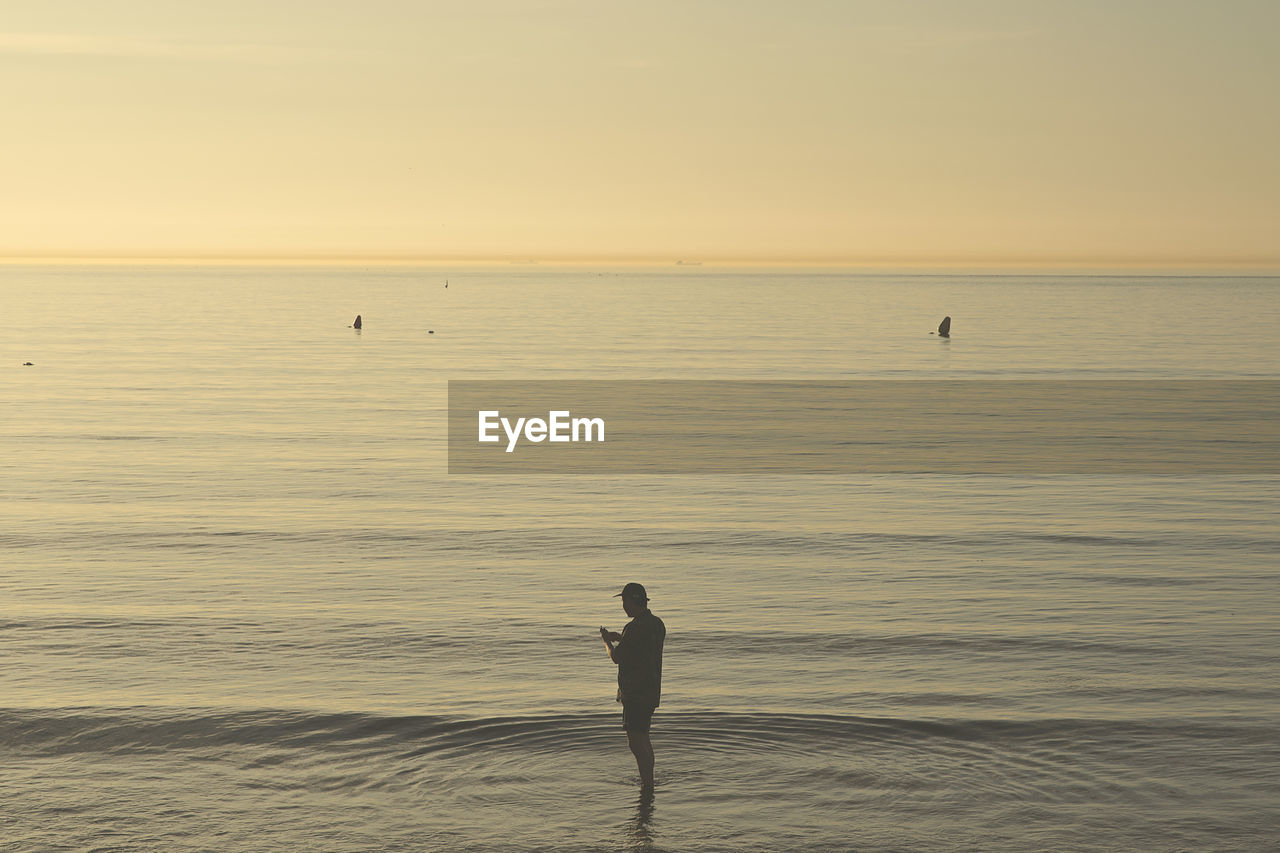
244	606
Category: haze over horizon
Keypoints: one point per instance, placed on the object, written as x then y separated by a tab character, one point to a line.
859	132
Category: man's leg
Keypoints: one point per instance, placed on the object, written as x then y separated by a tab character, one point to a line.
642	749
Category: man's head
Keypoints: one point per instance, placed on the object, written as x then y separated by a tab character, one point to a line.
634	599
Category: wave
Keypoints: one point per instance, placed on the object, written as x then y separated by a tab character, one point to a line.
98	636
144	730
570	540
898	644
90	436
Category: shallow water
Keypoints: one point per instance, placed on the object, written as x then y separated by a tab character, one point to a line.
244	607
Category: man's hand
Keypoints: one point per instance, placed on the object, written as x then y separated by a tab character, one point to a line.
609	636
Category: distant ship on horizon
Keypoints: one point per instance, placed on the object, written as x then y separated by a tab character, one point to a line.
688	263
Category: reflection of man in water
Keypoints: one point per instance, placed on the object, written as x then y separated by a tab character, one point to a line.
638	654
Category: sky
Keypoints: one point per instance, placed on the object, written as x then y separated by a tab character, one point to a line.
904	131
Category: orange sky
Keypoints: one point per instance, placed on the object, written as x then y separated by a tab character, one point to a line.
927	132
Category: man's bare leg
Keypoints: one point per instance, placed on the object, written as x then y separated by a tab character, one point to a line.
642	749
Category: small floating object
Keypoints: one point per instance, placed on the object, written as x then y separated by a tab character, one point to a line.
27	364
357	324
944	328
431	331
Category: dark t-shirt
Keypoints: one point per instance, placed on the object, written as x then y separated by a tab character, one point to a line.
639	660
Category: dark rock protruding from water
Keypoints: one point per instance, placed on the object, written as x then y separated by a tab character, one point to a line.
944	328
357	324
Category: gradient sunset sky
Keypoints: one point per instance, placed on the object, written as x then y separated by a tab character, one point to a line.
910	131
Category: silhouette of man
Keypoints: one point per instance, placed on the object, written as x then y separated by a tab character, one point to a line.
638	653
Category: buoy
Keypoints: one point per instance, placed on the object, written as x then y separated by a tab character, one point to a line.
357	323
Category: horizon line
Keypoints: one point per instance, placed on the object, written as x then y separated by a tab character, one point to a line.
693	261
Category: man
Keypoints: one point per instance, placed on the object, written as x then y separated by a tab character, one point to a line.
638	654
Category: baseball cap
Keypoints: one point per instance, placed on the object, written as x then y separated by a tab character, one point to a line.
633	591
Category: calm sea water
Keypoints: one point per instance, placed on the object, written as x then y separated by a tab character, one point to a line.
244	608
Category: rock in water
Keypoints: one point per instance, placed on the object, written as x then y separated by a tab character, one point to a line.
944	328
357	324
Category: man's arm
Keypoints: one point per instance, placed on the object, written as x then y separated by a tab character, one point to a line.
632	644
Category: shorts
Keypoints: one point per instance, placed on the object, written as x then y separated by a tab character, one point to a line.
636	718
